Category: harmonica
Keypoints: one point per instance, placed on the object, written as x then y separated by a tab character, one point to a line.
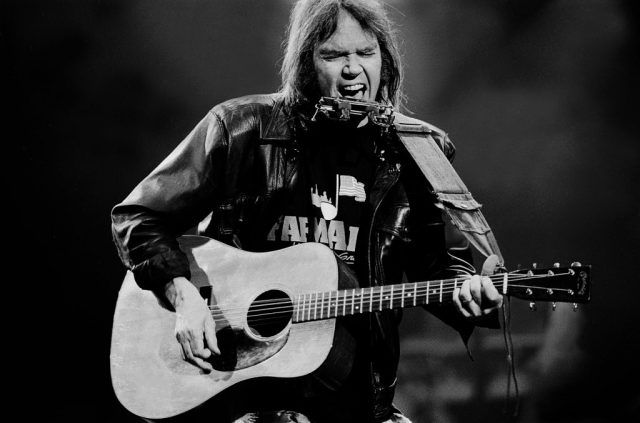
345	109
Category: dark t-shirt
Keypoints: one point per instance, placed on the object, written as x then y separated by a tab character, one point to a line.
329	203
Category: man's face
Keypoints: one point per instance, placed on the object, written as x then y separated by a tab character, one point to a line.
349	63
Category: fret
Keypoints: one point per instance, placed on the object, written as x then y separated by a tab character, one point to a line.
309	313
402	297
322	306
415	293
370	299
315	308
441	281
428	283
361	298
298	308
328	304
337	302
391	298
353	296
344	303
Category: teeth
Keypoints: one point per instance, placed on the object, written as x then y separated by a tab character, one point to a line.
356	87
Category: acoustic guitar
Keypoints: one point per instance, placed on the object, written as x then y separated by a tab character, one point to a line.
275	315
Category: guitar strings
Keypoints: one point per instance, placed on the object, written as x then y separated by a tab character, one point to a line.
433	285
330	309
276	309
376	296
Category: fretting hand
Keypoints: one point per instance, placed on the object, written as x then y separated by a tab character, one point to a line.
478	296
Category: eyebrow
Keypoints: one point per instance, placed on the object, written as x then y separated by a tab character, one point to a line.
335	51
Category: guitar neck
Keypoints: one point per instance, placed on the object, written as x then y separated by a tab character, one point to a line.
562	285
331	304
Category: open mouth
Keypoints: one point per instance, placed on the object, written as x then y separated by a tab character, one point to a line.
355	91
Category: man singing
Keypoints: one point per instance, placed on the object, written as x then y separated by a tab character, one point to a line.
264	172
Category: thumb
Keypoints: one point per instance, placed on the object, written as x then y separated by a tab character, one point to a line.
490	265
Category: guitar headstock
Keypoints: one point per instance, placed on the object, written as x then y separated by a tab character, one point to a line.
558	284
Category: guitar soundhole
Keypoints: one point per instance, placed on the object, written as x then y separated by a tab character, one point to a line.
270	313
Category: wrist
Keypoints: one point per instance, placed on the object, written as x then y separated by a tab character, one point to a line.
175	291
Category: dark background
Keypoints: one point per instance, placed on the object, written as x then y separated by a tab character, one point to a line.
540	98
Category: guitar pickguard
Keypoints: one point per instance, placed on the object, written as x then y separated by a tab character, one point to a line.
239	351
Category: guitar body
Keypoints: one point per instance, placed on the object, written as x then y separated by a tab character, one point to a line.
150	377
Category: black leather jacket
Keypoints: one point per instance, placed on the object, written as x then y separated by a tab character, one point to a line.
236	167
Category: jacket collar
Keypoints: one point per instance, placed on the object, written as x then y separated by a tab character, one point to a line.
276	126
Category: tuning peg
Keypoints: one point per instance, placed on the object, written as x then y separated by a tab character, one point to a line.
575	306
532	306
553	306
576	264
556	265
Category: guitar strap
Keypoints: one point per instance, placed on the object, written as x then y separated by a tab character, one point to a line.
452	194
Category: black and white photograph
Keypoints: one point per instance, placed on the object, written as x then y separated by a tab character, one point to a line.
322	211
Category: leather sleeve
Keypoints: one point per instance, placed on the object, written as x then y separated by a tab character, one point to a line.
439	250
174	197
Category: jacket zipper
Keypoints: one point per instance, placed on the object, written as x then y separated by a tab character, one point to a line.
393	172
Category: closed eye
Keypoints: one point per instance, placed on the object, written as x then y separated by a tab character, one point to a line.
367	52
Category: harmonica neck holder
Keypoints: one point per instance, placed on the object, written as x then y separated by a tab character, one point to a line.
343	109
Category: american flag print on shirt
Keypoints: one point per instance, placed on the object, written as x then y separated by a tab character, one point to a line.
350	187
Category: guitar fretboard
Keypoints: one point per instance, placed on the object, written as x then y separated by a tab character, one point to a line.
558	284
330	304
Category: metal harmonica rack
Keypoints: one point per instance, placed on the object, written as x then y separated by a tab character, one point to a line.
345	109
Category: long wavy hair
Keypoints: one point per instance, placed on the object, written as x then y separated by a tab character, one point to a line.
311	23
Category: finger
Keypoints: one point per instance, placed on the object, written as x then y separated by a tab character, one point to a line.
456	297
492	296
197	347
458	303
490	265
465	292
475	289
489	289
210	336
466	298
470	296
188	353
183	350
474	309
186	347
204	365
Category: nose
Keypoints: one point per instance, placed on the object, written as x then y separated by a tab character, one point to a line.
352	68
